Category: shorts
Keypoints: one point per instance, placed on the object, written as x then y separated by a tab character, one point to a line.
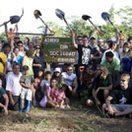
122	107
26	94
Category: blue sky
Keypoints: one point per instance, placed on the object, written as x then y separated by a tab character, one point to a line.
28	23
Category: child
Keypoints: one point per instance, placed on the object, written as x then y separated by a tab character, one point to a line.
38	94
3	99
26	82
46	81
62	100
49	98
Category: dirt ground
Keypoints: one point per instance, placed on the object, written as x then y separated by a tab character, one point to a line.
78	119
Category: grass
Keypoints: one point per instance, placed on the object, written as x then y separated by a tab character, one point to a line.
78	119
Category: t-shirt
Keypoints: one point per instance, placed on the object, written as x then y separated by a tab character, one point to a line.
18	59
127	64
98	82
68	79
3	59
29	62
84	54
44	84
26	79
121	96
114	66
13	83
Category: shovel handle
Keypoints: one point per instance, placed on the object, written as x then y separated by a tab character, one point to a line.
67	24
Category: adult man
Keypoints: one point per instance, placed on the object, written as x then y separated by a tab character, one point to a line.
119	102
79	42
129	40
83	50
13	87
112	48
96	53
69	78
113	65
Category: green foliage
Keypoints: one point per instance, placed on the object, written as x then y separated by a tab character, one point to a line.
59	31
3	36
125	15
79	26
82	27
110	32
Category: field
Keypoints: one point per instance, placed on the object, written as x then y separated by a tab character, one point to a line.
78	119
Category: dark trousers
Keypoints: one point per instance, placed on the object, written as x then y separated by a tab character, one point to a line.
16	106
2	101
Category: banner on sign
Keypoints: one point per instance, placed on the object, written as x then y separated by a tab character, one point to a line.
59	50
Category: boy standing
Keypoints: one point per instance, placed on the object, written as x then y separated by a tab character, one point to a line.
26	82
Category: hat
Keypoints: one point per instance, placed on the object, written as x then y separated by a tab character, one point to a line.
100	40
92	37
57	69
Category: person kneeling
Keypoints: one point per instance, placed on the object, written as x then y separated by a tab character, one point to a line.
119	102
102	84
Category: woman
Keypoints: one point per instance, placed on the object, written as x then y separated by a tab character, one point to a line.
38	61
37	85
126	61
123	52
16	56
21	48
26	43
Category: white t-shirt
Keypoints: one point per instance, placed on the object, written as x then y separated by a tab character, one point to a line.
68	79
13	84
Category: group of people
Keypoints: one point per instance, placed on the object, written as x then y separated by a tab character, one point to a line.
102	70
110	88
25	82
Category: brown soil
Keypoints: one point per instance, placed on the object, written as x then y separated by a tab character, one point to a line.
78	119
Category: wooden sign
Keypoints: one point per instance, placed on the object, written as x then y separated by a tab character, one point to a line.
59	50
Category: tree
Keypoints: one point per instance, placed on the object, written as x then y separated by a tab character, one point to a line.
109	28
125	14
59	31
79	26
3	36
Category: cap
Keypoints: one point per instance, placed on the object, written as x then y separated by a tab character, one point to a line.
57	69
